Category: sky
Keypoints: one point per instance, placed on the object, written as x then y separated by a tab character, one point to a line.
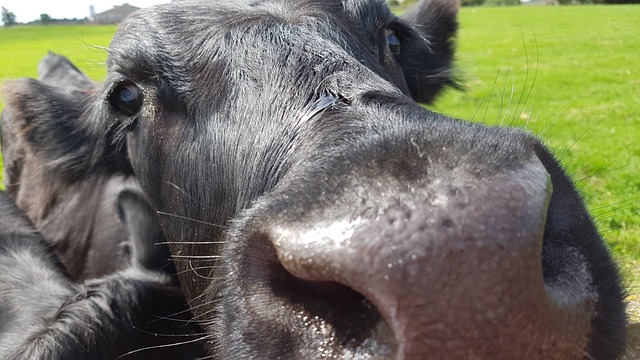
29	10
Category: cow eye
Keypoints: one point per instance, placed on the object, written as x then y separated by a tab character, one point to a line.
393	41
127	97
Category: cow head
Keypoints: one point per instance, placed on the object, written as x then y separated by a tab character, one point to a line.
94	218
314	209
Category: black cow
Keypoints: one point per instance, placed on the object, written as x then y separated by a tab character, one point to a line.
315	210
76	212
135	313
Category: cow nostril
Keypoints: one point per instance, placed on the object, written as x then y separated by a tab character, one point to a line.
330	292
352	321
322	298
344	317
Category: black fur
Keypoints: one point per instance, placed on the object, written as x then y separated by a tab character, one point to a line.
314	209
45	155
44	315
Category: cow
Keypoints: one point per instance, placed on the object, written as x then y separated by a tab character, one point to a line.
314	209
135	313
77	213
100	248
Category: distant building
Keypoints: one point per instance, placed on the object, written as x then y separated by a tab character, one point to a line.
115	15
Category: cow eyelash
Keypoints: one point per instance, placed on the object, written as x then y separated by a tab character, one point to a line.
127	98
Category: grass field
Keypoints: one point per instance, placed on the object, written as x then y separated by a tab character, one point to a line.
572	76
569	74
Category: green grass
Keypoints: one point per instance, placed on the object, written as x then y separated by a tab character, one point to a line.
22	47
569	74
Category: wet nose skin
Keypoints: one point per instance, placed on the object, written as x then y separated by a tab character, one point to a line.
455	277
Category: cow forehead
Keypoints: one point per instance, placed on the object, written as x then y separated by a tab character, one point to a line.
189	29
200	50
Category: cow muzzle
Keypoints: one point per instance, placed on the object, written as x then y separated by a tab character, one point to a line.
454	271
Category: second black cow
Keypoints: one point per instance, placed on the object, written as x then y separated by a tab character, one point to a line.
82	214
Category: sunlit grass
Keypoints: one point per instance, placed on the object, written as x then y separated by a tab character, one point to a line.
21	48
571	75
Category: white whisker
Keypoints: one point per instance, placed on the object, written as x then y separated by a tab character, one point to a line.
192	242
199	306
191	259
180	190
203	314
202	276
164	346
196	257
196	268
190	219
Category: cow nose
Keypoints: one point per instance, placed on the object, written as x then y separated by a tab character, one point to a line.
454	274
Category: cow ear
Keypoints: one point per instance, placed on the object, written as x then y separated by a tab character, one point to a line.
58	126
148	249
39	120
428	50
58	71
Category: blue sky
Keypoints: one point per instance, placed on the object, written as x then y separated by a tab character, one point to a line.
29	10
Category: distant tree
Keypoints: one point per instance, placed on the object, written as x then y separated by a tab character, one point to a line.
8	18
471	2
502	2
45	18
